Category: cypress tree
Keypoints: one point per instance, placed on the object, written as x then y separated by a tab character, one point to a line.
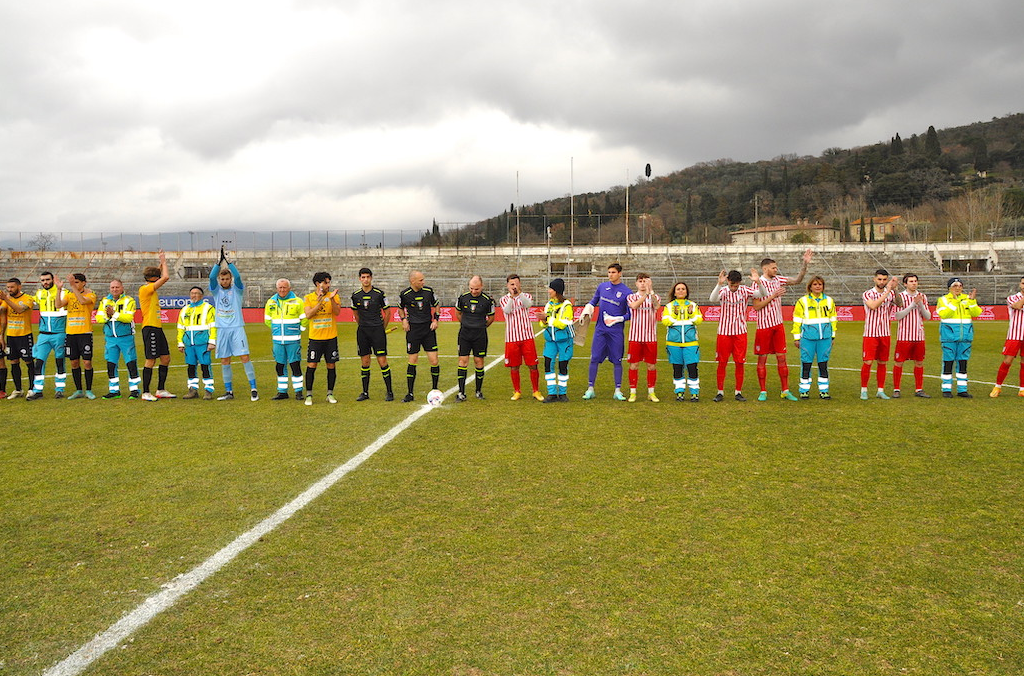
932	149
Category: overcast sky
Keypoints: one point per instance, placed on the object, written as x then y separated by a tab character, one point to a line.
128	115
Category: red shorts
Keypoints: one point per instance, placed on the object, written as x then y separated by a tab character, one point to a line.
1012	348
908	350
770	341
521	351
876	349
734	346
646	352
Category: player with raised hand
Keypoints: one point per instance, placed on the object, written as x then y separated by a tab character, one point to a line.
957	311
321	308
79	302
519	345
910	345
731	341
643	339
770	337
16	334
1014	344
154	340
227	290
879	309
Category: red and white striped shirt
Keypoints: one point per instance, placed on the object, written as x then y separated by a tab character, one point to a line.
771	314
517	317
1015	331
642	322
911	327
876	322
733	321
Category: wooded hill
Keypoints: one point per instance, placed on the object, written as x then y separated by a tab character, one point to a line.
960	183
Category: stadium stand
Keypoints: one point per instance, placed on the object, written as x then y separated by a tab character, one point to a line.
993	268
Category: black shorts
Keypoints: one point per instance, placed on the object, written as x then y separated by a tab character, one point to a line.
419	336
19	347
371	340
78	346
327	349
472	342
154	342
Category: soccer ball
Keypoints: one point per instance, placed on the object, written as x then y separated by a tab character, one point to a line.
435	397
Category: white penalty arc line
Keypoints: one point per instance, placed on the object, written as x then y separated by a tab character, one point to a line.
81	659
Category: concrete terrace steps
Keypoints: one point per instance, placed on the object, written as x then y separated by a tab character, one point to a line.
847	268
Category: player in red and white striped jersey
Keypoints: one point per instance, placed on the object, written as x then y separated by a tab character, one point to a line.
519	345
643	340
770	337
910	320
878	314
1014	340
732	326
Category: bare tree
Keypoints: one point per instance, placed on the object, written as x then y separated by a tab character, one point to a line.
43	241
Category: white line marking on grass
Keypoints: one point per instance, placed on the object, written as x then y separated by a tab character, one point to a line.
134	620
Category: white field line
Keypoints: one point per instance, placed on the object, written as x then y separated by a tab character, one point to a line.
134	620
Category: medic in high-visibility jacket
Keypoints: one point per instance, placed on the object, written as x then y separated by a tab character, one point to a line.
814	330
682	316
558	346
957	311
285	314
197	338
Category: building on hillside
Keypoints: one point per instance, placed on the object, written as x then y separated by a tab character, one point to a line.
893	227
801	232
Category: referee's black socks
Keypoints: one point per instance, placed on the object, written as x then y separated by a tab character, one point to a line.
479	380
410	376
461	374
435	375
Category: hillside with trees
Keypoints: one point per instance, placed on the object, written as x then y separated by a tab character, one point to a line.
957	183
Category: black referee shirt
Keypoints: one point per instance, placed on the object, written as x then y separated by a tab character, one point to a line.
369	304
475	309
417	304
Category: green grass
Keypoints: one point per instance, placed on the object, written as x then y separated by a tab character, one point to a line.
840	537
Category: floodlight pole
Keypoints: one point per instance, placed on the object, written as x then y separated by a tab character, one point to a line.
627	212
572	208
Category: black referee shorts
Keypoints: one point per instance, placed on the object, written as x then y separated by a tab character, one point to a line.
472	342
371	340
419	336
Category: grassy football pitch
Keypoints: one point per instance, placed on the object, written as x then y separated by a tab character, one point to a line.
500	537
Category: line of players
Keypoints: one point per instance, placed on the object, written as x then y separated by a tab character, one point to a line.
66	317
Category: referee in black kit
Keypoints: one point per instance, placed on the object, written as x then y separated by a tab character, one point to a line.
371	311
419	309
475	312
